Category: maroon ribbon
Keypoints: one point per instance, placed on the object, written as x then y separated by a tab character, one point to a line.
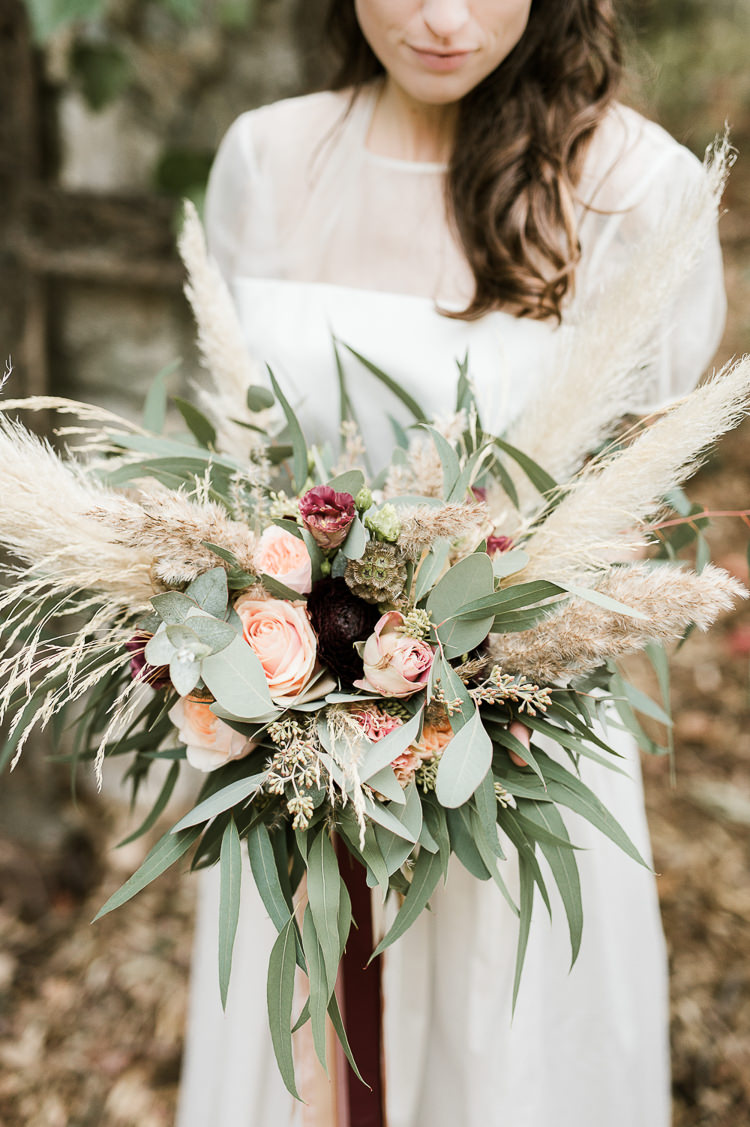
362	1003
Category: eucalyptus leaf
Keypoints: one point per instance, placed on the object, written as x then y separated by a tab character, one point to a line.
184	673
323	883
356	540
155	405
562	864
159	650
490	860
319	991
395	850
213	633
280	995
464	763
198	424
567	789
278	589
224	799
384	817
172	607
183	637
425	877
448	458
539	478
210	591
464	844
236	678
164	796
385	782
167	850
526	882
351	481
392	385
508	563
381	754
431	568
297	438
259	398
266	876
230	879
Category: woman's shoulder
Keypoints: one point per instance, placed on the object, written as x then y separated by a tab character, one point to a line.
286	128
631	159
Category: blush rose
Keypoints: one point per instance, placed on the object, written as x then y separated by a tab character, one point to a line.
395	665
210	743
284	556
282	638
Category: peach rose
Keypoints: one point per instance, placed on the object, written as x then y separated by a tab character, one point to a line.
209	741
431	744
284	556
283	639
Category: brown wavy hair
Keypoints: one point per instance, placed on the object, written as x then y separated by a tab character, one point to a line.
519	147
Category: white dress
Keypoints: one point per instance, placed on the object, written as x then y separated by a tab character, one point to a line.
317	235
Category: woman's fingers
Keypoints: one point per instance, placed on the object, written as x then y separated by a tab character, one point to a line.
523	735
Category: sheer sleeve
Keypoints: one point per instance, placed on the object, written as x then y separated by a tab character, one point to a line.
239	216
635	173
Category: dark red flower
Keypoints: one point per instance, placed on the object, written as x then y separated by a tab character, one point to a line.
327	514
497	544
157	676
340	619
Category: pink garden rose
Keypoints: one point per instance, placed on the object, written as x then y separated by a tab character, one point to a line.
394	664
327	514
284	556
281	635
209	741
375	723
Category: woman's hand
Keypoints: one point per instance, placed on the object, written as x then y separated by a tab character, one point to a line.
523	735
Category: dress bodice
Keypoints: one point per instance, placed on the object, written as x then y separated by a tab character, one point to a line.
292	325
316	235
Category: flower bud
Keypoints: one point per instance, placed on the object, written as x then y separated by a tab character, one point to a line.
363	500
384	524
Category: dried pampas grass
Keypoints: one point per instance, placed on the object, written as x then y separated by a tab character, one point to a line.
580	535
220	341
601	375
46	507
170	528
581	636
421	525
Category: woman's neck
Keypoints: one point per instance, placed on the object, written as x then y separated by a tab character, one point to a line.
409	130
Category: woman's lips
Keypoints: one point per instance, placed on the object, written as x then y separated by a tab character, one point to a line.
441	60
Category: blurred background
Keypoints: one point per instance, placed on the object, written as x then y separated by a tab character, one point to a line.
110	112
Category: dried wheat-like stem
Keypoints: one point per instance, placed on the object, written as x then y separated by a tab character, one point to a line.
220	341
169	528
581	636
422	474
346	751
45	520
579	536
421	525
601	375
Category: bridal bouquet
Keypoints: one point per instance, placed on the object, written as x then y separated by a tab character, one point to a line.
342	655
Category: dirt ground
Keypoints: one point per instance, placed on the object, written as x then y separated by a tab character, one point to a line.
91	1017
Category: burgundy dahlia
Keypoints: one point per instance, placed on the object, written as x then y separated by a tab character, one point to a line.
340	619
157	676
327	514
